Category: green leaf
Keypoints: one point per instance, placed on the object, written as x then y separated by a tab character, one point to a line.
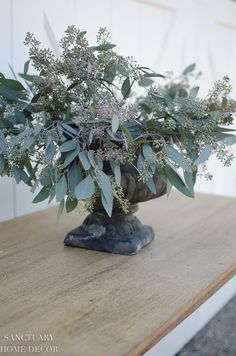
30	78
228	139
70	156
146	107
85	189
223	129
9	94
46	177
152	75
11	84
27	144
108	206
3	144
190	179
21	119
175	156
68	146
99	162
122	69
148	151
61	188
60	209
177	181
50	151
151	185
26	66
83	156
126	88
145	82
105	185
194	92
75	176
42	195
71	204
19	175
110	73
140	161
117	171
52	194
204	155
115	122
189	68
91	157
2	164
68	128
103	47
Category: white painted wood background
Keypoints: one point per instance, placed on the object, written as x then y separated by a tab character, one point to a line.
162	34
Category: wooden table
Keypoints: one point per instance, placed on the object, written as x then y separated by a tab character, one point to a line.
94	303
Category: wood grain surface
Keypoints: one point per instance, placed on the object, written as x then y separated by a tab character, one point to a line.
100	304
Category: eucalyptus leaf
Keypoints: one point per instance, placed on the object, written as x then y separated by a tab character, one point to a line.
194	92
122	69
148	151
226	138
27	144
108	206
19	175
2	164
26	66
105	185
204	155
75	176
3	144
68	128
46	178
85	189
145	82
117	171
126	88
177	181
37	129
50	151
175	156
42	195
103	47
68	146
151	185
91	157
52	194
60	209
71	156
61	188
20	117
110	73
99	162
115	122
83	156
190	68
190	179
140	162
71	204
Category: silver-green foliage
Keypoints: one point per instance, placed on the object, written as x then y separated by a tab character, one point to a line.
62	128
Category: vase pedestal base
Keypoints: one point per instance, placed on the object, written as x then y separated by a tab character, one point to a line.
122	234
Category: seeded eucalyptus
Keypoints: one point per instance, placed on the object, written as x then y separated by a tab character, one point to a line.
70	128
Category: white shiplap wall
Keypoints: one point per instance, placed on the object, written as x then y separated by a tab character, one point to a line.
165	35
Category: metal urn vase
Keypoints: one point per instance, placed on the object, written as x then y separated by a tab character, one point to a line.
121	233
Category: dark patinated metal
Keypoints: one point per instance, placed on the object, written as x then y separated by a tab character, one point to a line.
122	233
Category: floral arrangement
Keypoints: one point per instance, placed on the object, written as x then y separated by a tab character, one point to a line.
91	108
